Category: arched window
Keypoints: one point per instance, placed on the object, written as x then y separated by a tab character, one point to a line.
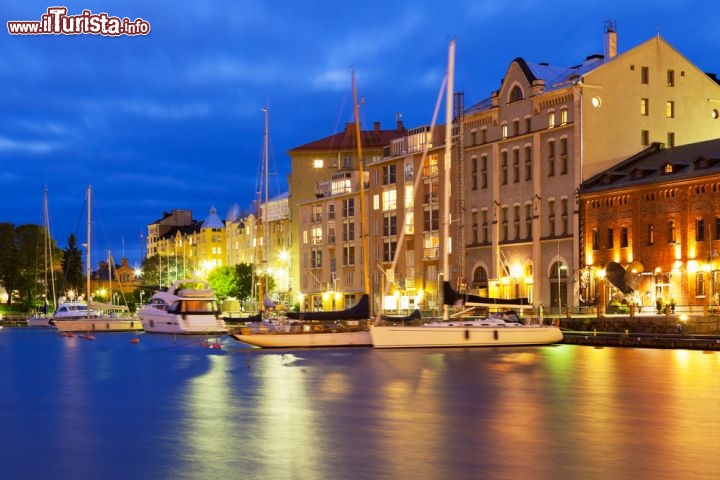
516	94
480	278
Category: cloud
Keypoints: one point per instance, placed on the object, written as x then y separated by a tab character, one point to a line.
158	110
31	146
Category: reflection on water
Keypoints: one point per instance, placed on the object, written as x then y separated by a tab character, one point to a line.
168	408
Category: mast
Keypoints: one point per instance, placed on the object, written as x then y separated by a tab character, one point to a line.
87	259
446	170
363	233
48	252
266	230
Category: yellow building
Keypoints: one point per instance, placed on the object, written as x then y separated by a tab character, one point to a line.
324	198
527	148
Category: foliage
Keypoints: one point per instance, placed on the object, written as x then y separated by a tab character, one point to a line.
244	273
224	281
72	266
8	259
29	242
162	270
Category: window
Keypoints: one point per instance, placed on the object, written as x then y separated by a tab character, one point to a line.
551	158
551	119
389	225
516	94
671	231
483	135
528	221
318	163
528	125
431	219
348	232
551	217
409	170
484	171
389	200
516	222
473	138
700	284
504	131
644	75
671	78
503	168
516	165
504	224
348	256
623	237
610	238
670	109
348	207
699	230
644	107
563	156
516	127
485	227
474	217
528	163
670	139
717	228
389	174
473	173
595	239
331	211
651	235
564	215
563	116
645	138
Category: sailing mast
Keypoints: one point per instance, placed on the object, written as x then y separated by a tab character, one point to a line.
48	254
363	233
87	259
446	170
263	227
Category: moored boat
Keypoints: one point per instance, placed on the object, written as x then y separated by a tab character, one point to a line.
186	307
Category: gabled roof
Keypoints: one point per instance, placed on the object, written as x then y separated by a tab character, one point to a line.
346	140
659	165
554	77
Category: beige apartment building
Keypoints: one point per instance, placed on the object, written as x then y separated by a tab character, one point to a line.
325	209
528	147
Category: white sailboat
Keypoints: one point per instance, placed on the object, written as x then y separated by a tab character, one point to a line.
344	328
496	330
78	316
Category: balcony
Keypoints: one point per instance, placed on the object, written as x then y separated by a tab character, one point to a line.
431	253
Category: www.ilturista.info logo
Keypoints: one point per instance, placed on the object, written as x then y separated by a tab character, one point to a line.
57	22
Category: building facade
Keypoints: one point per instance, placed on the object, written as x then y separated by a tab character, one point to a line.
651	230
528	147
325	211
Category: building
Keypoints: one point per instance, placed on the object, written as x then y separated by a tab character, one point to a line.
528	147
651	230
325	211
405	188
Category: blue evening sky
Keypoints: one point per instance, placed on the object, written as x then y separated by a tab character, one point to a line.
173	119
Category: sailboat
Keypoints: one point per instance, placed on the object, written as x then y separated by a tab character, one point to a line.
79	316
343	328
503	328
43	319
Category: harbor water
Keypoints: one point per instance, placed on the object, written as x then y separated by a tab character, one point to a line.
171	408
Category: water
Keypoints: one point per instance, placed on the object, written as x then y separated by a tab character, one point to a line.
170	409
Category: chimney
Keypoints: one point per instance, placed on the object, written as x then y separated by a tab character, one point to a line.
399	122
610	39
376	126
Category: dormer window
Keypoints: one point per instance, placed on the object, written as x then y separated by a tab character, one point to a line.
667	168
516	94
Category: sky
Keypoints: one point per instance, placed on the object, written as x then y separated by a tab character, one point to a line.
173	119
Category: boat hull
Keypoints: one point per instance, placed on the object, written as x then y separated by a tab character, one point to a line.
101	324
177	325
462	336
40	322
305	340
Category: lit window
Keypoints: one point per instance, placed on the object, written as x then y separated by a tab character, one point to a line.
596	102
563	116
551	119
318	163
671	78
644	107
670	109
504	130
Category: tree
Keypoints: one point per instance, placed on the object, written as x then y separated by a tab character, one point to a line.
29	243
157	270
8	259
72	266
244	274
224	281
